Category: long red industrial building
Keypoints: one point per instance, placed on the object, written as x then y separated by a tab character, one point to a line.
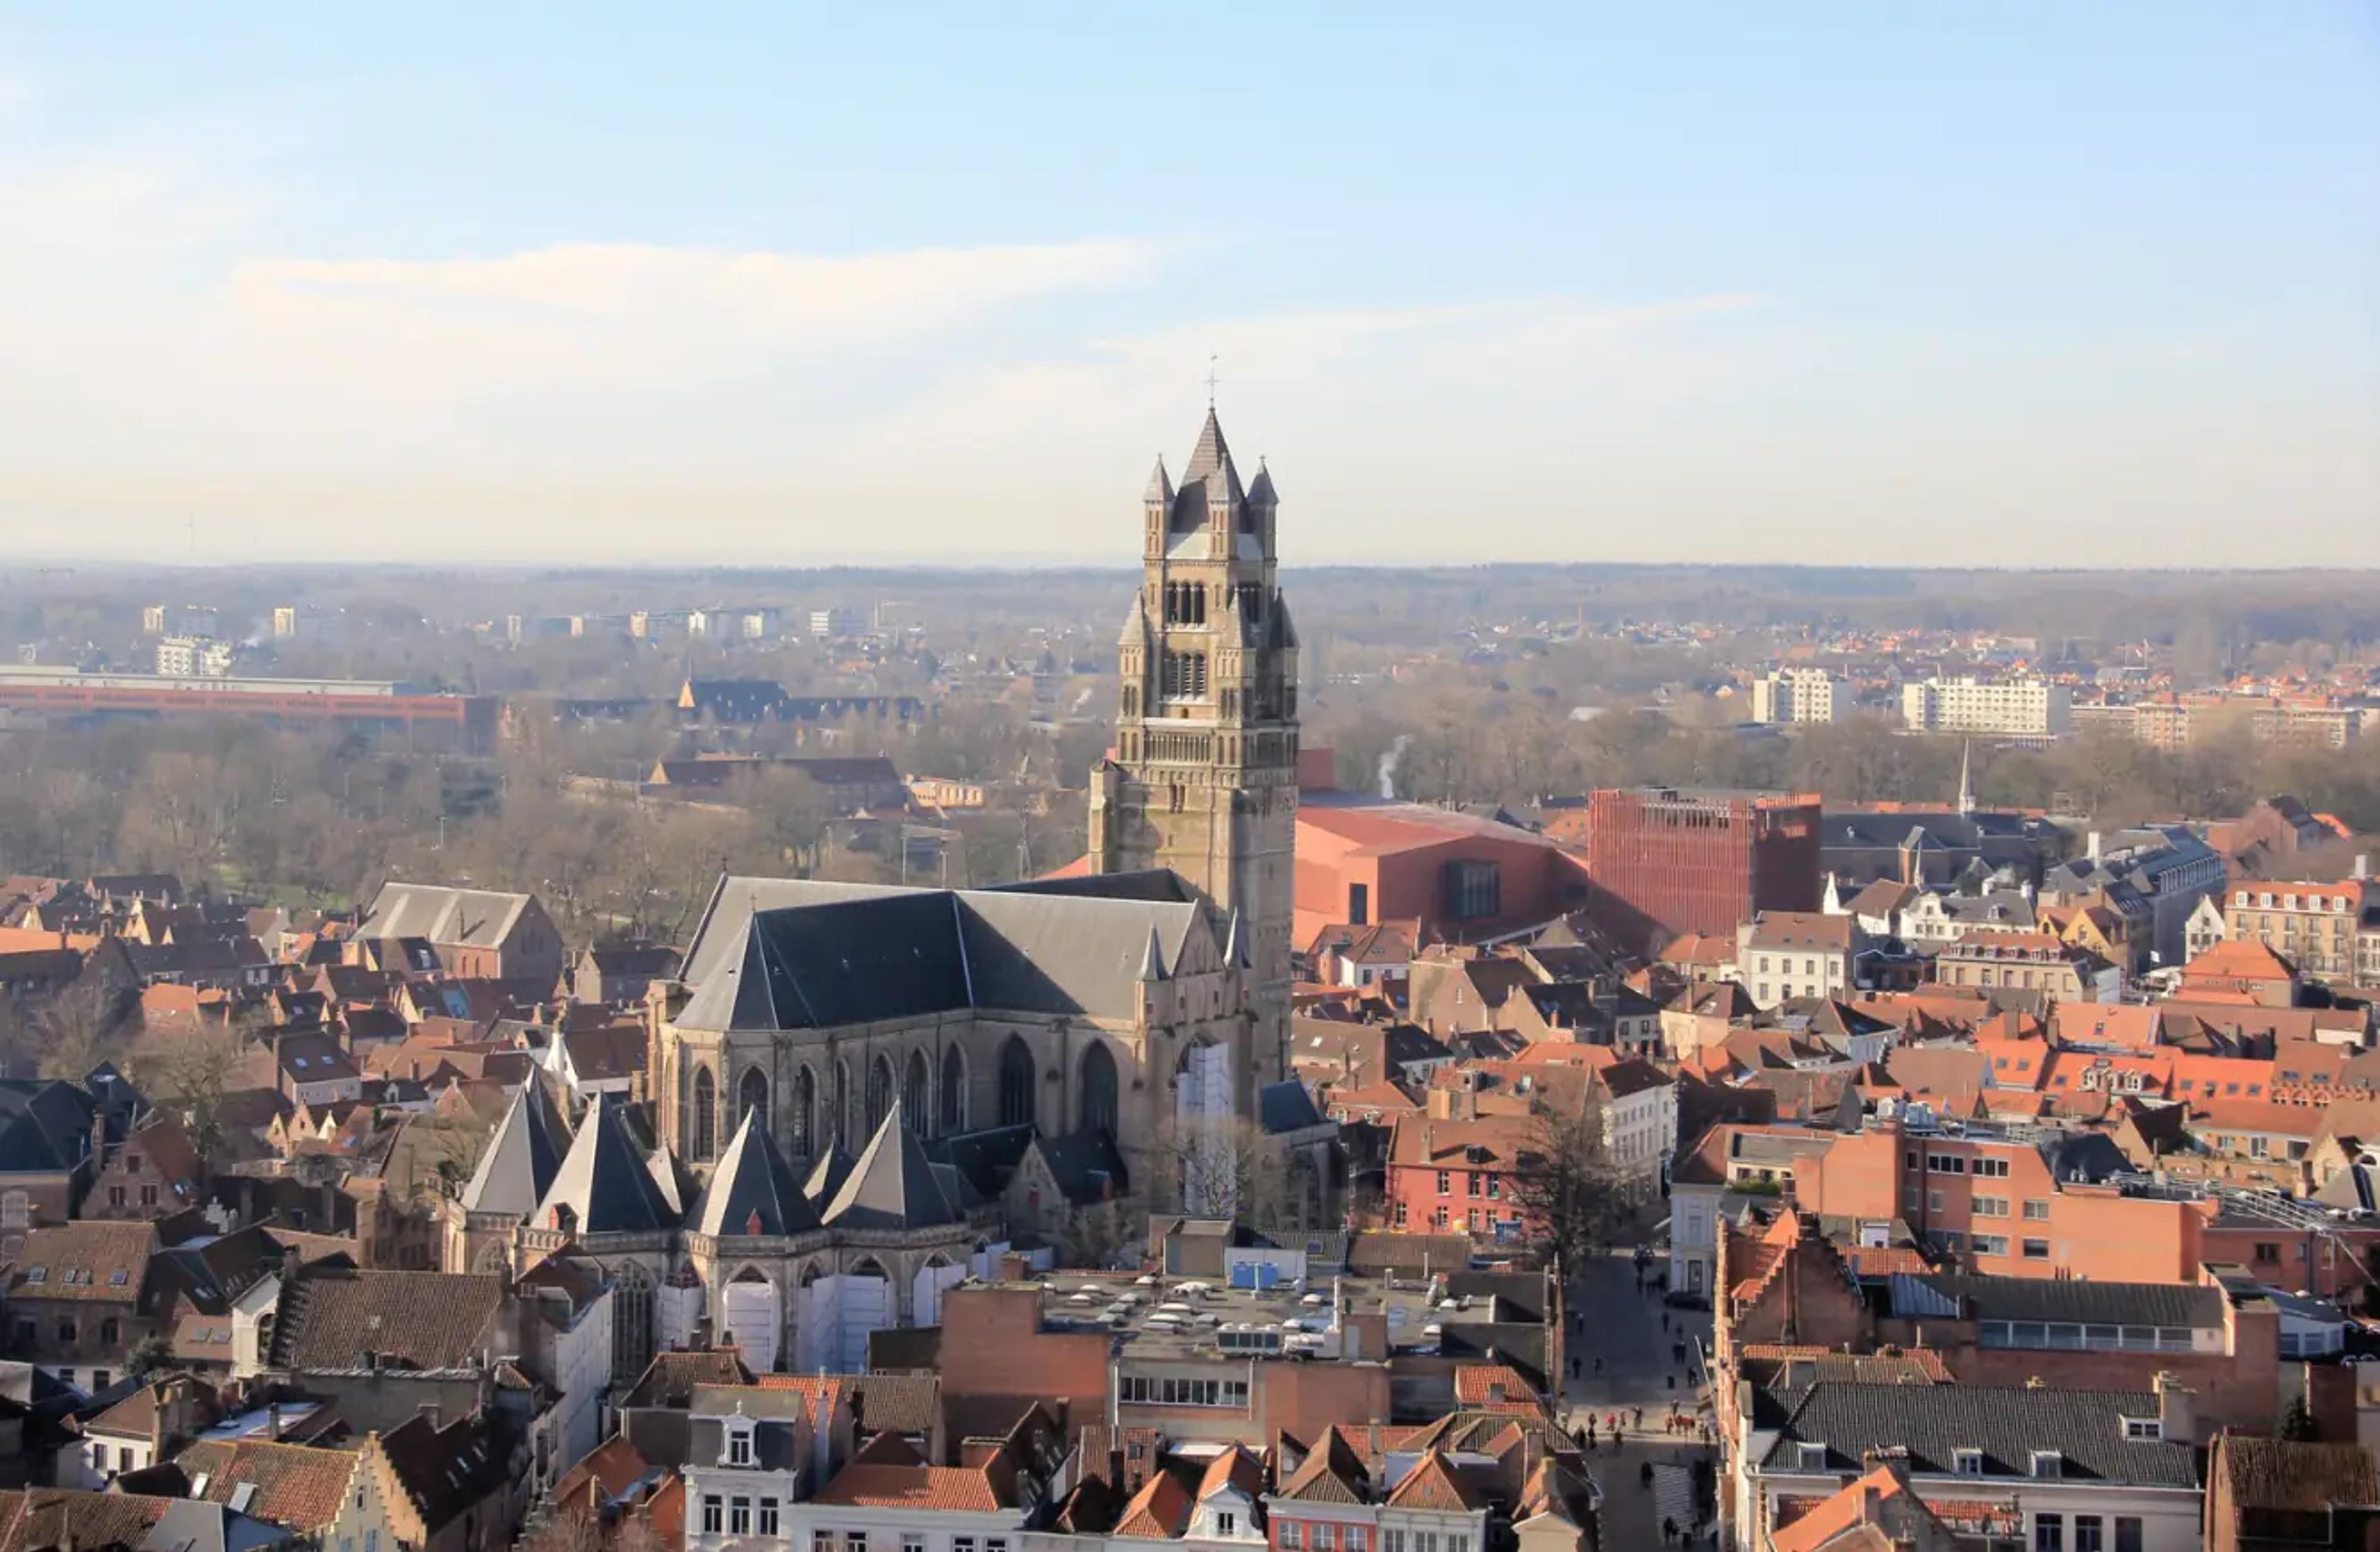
463	723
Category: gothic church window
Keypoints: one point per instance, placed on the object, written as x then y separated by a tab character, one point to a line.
751	1095
804	1120
632	1324
1015	1084
706	1113
1098	1089
913	1094
880	1093
954	1092
1183	675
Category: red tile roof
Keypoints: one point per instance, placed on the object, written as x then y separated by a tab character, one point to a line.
865	1486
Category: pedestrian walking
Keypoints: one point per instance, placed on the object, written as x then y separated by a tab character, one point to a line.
1640	1417
1645	1475
1665	1324
1598	1365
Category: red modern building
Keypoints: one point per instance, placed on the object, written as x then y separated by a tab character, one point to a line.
465	723
1667	860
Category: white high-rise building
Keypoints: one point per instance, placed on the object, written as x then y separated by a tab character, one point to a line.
2012	708
1801	695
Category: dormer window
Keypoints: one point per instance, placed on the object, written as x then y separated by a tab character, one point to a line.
2048	1465
2143	1428
1967	1462
739	1444
1813	1457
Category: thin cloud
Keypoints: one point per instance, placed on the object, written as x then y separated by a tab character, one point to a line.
790	293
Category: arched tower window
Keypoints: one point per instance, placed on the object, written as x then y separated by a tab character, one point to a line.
914	1102
879	1092
804	1116
954	1111
632	1324
706	1113
752	1094
1015	1083
841	1120
1098	1089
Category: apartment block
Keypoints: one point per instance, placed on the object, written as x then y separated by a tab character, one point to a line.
2314	926
2007	707
1801	696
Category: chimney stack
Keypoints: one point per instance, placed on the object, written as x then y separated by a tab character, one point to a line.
2176	1412
2094	846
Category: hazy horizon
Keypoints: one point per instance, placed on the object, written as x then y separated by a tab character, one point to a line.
2045	287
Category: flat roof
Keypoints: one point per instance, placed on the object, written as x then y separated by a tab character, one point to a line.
1197	1337
25	673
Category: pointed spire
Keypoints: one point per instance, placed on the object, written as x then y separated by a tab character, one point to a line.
1135	624
1152	958
1966	779
1161	485
1211	455
522	1158
753	1186
1261	492
891	1186
606	1180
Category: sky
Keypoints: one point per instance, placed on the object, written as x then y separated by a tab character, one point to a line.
2022	284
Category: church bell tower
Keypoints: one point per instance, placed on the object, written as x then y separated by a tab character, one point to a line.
1202	776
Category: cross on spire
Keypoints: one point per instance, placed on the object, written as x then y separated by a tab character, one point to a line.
1211	380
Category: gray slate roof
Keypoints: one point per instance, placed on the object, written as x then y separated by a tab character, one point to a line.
1933	1422
753	1191
2069	1301
480	919
771	957
606	1180
520	1162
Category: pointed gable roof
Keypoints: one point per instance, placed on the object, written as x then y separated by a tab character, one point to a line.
753	1191
1330	1473
1234	1471
1160	484
1158	1511
1432	1484
893	1185
521	1159
605	1180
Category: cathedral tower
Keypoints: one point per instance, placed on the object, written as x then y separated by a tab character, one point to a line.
1202	776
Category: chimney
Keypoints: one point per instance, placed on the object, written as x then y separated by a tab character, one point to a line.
2362	865
2093	846
2176	1414
272	1420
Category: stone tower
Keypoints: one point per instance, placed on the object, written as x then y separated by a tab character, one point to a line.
1203	775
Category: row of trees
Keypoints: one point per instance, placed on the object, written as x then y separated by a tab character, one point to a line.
1452	743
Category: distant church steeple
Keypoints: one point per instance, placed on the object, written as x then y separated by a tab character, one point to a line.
1204	775
1966	780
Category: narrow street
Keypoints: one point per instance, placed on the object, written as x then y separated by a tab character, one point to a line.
1637	1340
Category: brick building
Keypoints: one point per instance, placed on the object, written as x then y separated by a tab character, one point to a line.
1666	860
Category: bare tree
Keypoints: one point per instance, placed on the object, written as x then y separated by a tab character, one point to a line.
1575	1199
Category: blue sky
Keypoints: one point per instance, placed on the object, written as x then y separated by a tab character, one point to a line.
2034	283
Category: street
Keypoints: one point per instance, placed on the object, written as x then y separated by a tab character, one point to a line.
1613	1322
